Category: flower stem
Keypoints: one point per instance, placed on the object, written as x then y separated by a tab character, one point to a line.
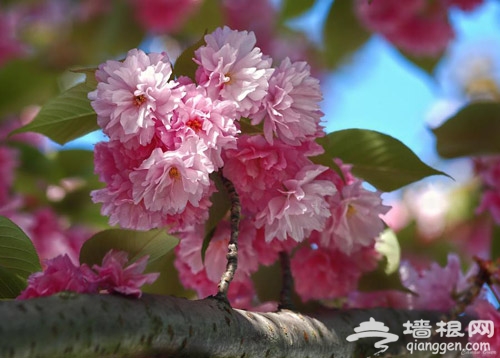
287	286
232	248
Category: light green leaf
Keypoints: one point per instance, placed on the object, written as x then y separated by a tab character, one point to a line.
342	33
65	117
89	73
294	8
381	160
425	63
155	243
17	253
11	284
247	127
474	130
388	246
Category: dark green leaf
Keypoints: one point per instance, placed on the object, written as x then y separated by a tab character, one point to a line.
65	117
23	83
184	65
342	33
427	64
247	127
474	130
17	253
220	207
155	243
381	160
294	8
11	284
379	280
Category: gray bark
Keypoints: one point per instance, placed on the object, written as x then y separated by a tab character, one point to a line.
72	325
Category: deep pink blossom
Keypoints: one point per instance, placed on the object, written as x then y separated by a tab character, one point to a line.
116	276
466	5
8	163
290	110
164	15
355	218
10	46
486	311
257	167
323	273
490	202
434	288
52	237
132	95
59	275
232	68
299	208
419	27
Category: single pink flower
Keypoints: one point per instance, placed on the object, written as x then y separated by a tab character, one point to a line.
290	110
115	276
232	68
59	275
167	181
164	15
299	208
355	219
323	273
486	311
132	95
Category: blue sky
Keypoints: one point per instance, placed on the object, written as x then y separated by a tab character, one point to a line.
382	91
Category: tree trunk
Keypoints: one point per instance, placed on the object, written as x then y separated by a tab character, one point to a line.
71	325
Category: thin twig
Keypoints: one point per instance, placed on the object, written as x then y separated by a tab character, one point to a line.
232	248
287	285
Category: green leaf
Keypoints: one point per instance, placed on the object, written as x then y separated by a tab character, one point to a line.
247	127
294	8
11	284
65	117
388	245
89	73
17	253
474	130
155	243
184	65
425	63
342	33
381	160
220	207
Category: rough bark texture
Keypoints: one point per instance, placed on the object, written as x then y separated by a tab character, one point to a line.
161	326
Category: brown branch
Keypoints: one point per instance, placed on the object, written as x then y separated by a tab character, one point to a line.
232	248
162	326
287	285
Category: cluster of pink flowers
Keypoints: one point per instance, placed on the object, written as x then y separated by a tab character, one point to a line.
113	276
168	135
433	287
420	27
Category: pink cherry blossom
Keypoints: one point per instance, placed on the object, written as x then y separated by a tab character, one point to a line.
190	245
490	202
290	110
256	167
232	68
164	15
355	218
10	46
206	120
299	208
8	163
132	95
167	181
466	5
115	276
486	311
434	288
419	27
59	275
323	273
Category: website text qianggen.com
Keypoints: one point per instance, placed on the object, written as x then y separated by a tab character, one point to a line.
443	347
